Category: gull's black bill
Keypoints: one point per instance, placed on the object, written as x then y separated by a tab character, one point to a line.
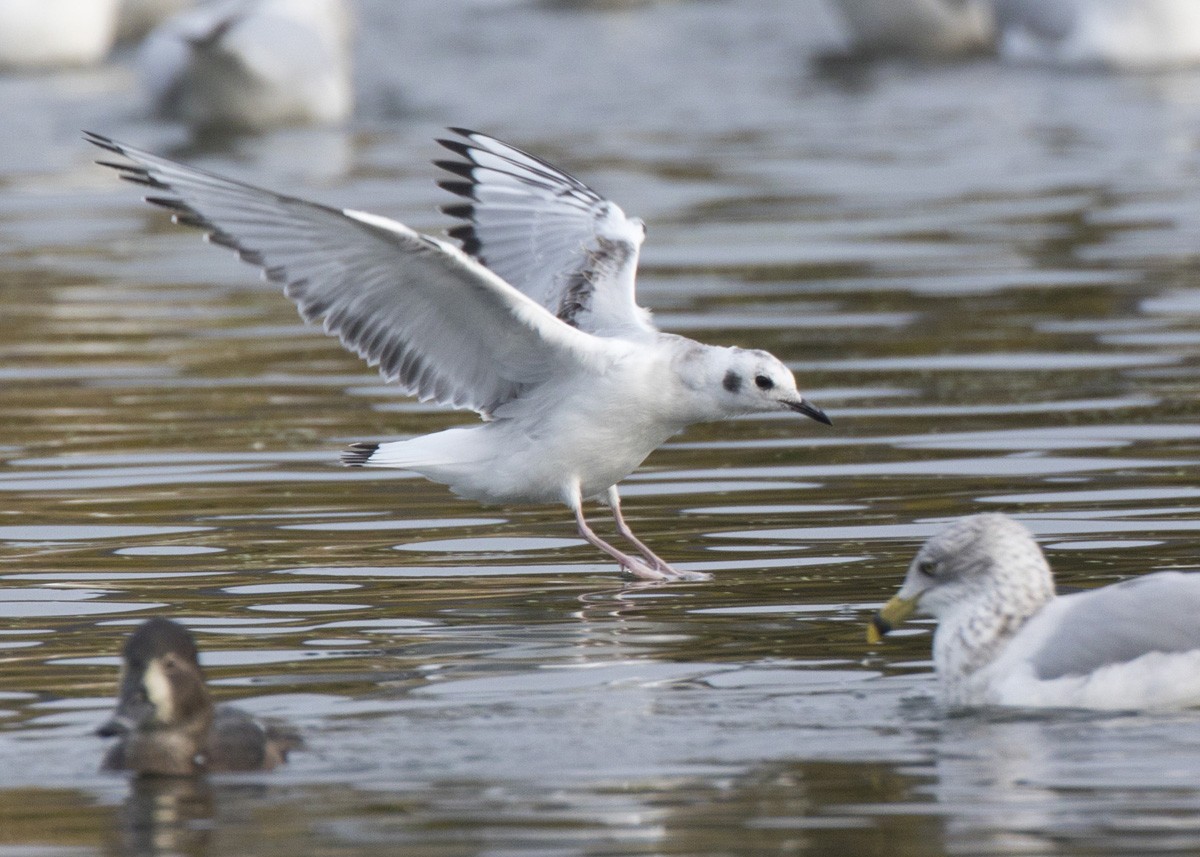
810	410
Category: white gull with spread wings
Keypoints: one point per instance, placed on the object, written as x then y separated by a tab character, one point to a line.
533	323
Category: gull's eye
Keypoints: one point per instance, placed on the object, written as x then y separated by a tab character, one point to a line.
763	382
927	568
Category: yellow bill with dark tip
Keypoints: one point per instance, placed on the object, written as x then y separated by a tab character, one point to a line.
893	613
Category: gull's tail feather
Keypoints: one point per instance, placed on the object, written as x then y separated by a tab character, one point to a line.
358	454
454	457
431	455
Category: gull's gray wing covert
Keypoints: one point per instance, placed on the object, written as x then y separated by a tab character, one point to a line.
1119	623
547	234
431	318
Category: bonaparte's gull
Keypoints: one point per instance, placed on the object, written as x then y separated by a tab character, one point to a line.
918	27
1109	33
1005	638
166	720
252	64
533	323
53	33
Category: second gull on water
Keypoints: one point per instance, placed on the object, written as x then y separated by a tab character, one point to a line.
1005	638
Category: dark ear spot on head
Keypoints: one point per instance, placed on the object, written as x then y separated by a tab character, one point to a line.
732	382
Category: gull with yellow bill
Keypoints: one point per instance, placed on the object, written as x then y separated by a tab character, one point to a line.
1004	637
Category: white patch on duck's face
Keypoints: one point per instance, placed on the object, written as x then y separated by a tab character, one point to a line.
159	691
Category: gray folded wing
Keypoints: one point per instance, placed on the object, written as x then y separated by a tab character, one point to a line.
1117	624
547	234
432	319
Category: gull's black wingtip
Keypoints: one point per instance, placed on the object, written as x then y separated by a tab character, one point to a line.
358	454
127	171
458	147
473	140
106	143
457	168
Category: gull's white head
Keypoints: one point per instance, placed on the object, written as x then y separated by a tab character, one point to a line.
747	382
983	565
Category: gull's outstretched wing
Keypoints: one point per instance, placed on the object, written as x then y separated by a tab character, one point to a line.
547	234
432	319
1116	624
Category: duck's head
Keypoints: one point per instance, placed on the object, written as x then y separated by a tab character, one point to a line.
161	685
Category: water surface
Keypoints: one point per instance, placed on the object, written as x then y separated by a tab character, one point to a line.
986	275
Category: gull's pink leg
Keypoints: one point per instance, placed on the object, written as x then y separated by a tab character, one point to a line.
614	501
634	566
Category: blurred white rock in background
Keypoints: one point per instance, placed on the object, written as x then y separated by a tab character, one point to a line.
1108	33
56	33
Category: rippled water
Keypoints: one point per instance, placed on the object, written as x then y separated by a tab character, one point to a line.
988	276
